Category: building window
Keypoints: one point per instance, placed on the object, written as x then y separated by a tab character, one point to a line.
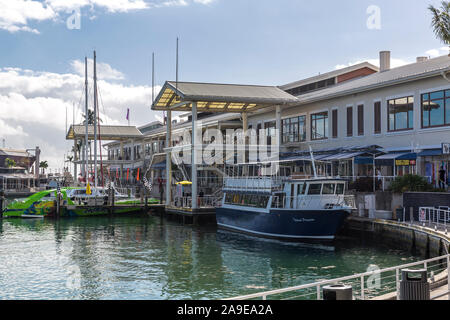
349	121
294	129
360	120
436	109
319	126
335	123
377	117
270	130
401	114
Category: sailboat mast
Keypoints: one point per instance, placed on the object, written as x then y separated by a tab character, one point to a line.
95	119
86	141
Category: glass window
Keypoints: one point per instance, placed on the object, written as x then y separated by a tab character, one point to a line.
401	114
314	189
340	188
294	129
436	109
328	188
319	126
301	189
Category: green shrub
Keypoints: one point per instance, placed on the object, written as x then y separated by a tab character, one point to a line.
411	183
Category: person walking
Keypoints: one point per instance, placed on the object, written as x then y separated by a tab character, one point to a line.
442	175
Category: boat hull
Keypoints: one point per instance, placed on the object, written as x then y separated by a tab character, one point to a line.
297	225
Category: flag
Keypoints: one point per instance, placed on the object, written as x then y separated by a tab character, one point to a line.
137	178
128	173
128	114
117	173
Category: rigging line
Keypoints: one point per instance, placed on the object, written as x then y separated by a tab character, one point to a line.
103	106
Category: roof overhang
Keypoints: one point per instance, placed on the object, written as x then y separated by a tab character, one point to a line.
106	133
223	98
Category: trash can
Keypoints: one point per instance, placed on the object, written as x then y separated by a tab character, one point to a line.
337	292
414	285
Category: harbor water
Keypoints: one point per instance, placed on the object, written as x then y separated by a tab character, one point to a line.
152	258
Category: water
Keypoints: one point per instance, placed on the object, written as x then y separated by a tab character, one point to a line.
151	258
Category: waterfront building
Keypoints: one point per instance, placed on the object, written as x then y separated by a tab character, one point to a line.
355	119
20	178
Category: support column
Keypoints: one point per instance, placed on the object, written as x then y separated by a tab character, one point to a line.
169	159
121	165
245	142
279	136
194	156
75	159
36	166
278	124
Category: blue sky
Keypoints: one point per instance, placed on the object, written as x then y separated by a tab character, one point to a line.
245	41
228	41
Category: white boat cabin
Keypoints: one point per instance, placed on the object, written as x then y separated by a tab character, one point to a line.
303	194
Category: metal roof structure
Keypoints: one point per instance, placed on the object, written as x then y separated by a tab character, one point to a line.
328	75
15	153
106	133
407	73
212	97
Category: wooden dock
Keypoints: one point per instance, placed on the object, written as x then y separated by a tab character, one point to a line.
192	216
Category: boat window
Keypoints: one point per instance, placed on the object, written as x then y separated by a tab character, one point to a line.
301	189
247	200
314	189
340	188
328	188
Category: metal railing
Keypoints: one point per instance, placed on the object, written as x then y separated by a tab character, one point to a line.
438	216
202	202
366	286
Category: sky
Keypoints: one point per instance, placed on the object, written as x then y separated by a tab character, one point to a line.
44	43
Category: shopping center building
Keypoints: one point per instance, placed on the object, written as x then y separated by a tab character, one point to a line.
354	119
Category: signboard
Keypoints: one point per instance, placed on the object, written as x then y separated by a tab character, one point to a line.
446	148
405	162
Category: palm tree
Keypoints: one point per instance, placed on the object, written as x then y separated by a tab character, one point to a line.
43	165
441	21
10	163
90	118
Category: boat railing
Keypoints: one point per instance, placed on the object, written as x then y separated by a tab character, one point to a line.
284	202
252	184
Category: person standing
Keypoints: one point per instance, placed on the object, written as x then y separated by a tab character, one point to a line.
442	175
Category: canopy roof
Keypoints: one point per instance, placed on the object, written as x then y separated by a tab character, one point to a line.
212	97
105	133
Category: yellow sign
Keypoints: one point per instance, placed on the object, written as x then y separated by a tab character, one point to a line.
88	189
405	162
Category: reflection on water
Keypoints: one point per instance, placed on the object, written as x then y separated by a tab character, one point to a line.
150	258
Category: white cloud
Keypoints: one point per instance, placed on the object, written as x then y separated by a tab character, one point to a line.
104	70
33	107
15	15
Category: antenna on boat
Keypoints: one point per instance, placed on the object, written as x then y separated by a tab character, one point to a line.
176	82
313	162
95	119
153	78
86	120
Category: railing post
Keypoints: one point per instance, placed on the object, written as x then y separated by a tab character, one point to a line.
318	292
362	288
448	276
397	282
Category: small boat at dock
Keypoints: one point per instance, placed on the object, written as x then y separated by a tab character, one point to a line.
75	203
290	209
